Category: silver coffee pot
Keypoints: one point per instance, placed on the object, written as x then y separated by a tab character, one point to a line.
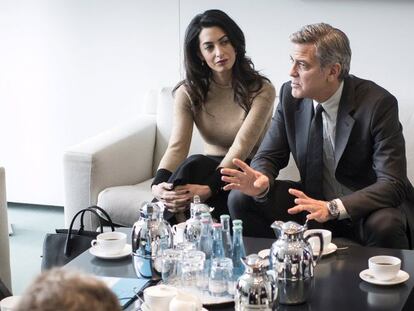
291	258
151	234
255	289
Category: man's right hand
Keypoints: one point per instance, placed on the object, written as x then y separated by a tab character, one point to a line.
248	180
174	200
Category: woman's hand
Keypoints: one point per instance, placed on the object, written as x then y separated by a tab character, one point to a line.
175	200
203	191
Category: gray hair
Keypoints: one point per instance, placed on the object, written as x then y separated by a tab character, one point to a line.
67	290
332	45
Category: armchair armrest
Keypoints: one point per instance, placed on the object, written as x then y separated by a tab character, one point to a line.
119	156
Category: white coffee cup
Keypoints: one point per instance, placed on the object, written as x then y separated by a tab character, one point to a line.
185	302
9	303
158	297
384	268
314	241
110	243
178	231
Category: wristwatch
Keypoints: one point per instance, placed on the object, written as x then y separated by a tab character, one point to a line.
333	209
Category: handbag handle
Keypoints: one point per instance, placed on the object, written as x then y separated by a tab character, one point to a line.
67	251
99	209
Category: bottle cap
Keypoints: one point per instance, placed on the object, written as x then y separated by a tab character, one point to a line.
237	222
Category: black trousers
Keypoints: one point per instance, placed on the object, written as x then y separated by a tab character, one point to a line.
386	227
196	169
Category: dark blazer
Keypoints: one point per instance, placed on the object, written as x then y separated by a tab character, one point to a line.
369	146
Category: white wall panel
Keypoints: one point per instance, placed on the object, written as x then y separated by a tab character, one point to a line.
72	68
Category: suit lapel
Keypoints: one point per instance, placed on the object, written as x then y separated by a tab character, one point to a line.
344	121
303	118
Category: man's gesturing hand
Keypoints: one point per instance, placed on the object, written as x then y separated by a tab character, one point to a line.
318	210
248	180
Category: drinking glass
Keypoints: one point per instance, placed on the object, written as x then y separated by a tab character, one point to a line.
192	264
171	267
221	274
185	246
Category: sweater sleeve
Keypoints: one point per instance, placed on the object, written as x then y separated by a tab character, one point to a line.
182	129
162	175
253	127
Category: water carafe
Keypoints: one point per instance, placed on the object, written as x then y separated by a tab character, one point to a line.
151	234
291	258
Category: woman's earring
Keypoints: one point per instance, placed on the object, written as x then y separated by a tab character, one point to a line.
202	63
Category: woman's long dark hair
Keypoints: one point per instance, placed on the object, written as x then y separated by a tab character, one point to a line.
246	81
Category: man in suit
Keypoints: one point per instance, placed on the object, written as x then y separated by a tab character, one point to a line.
347	142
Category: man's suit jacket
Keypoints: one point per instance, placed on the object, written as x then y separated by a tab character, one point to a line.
369	145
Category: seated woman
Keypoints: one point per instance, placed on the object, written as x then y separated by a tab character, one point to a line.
230	103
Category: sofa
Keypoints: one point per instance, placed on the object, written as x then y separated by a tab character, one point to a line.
115	169
5	275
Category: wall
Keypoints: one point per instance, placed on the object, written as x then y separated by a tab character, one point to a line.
70	69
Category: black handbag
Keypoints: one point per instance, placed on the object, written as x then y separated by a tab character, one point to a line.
61	247
4	291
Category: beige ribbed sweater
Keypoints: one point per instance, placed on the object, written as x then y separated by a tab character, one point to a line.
222	124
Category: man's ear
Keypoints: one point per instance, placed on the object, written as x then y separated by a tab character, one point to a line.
334	72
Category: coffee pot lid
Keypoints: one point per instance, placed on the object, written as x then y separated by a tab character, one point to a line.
150	210
254	263
291	227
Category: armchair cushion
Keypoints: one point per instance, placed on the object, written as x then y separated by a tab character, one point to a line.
122	203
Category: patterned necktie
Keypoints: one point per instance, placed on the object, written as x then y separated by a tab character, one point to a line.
314	157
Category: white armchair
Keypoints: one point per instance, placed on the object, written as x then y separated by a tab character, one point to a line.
115	168
5	274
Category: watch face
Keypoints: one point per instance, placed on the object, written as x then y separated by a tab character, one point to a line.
333	208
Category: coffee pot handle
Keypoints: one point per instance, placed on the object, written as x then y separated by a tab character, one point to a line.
319	236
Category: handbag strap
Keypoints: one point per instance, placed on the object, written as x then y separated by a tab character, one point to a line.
69	235
99	210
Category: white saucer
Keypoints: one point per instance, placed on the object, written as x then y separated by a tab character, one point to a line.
145	307
331	248
401	277
94	250
264	253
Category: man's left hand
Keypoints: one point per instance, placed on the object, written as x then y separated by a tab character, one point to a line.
318	210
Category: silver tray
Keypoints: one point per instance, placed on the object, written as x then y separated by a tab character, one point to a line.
207	299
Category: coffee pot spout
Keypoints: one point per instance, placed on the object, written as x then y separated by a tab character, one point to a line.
277	227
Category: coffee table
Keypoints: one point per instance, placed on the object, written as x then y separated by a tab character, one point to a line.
337	283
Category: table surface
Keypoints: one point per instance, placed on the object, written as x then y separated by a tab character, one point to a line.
337	282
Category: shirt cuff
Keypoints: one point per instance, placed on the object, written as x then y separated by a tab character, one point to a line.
262	196
343	214
161	175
